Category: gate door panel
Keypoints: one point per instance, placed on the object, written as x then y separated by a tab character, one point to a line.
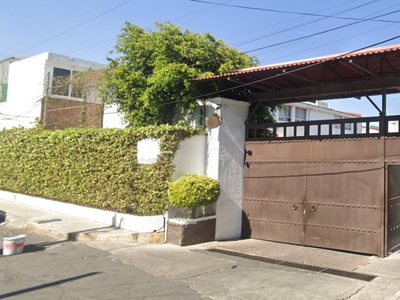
344	195
274	191
393	228
326	193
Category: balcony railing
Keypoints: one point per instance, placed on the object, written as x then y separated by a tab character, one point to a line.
326	129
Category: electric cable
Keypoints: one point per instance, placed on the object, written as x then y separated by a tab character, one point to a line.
293	12
324	45
177	18
300	25
283	22
290	44
76	26
316	33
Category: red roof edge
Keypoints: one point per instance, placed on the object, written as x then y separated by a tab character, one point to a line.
350	54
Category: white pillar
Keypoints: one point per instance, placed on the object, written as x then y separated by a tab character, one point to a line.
225	158
292	113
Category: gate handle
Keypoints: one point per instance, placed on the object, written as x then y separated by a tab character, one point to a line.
313	208
294	206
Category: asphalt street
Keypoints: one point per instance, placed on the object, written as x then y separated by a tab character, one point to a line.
54	269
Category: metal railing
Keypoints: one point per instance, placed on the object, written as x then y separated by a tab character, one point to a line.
325	129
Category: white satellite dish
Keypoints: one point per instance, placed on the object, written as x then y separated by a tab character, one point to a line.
213	121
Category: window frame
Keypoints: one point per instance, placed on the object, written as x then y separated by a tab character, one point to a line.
300	119
285	114
69	85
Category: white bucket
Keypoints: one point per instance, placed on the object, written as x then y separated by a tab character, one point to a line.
13	244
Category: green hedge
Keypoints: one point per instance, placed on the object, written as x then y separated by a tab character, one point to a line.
91	167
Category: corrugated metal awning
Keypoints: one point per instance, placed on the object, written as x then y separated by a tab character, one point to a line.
352	74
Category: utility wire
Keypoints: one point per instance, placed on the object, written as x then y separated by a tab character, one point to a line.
324	16
301	25
293	12
318	33
324	45
286	21
177	18
74	27
292	43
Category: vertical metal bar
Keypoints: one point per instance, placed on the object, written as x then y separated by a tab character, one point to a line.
385	217
385	201
383	115
305	200
384	168
342	128
398	125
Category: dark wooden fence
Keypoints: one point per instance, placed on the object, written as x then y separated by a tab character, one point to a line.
325	129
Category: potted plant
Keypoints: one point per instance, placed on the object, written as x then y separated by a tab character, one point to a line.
193	196
192	209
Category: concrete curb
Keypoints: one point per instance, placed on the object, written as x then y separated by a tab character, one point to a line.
129	222
65	227
111	234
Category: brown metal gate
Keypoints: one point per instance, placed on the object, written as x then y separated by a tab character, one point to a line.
327	193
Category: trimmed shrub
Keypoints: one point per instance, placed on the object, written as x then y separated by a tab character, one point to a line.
193	190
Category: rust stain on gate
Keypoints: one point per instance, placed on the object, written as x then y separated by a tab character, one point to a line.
323	193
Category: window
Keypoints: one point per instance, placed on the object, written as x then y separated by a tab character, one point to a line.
284	113
61	82
63	85
300	114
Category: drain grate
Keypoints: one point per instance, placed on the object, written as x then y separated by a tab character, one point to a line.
352	275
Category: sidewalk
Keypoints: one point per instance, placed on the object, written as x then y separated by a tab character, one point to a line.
64	227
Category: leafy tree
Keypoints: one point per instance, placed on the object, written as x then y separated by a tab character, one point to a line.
150	75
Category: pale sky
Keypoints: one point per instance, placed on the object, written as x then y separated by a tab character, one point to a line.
282	30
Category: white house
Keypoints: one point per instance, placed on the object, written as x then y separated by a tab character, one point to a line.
30	93
307	111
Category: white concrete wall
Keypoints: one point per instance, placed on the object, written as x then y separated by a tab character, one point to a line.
225	157
191	157
111	118
25	89
71	63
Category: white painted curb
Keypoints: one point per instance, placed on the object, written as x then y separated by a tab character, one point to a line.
129	222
